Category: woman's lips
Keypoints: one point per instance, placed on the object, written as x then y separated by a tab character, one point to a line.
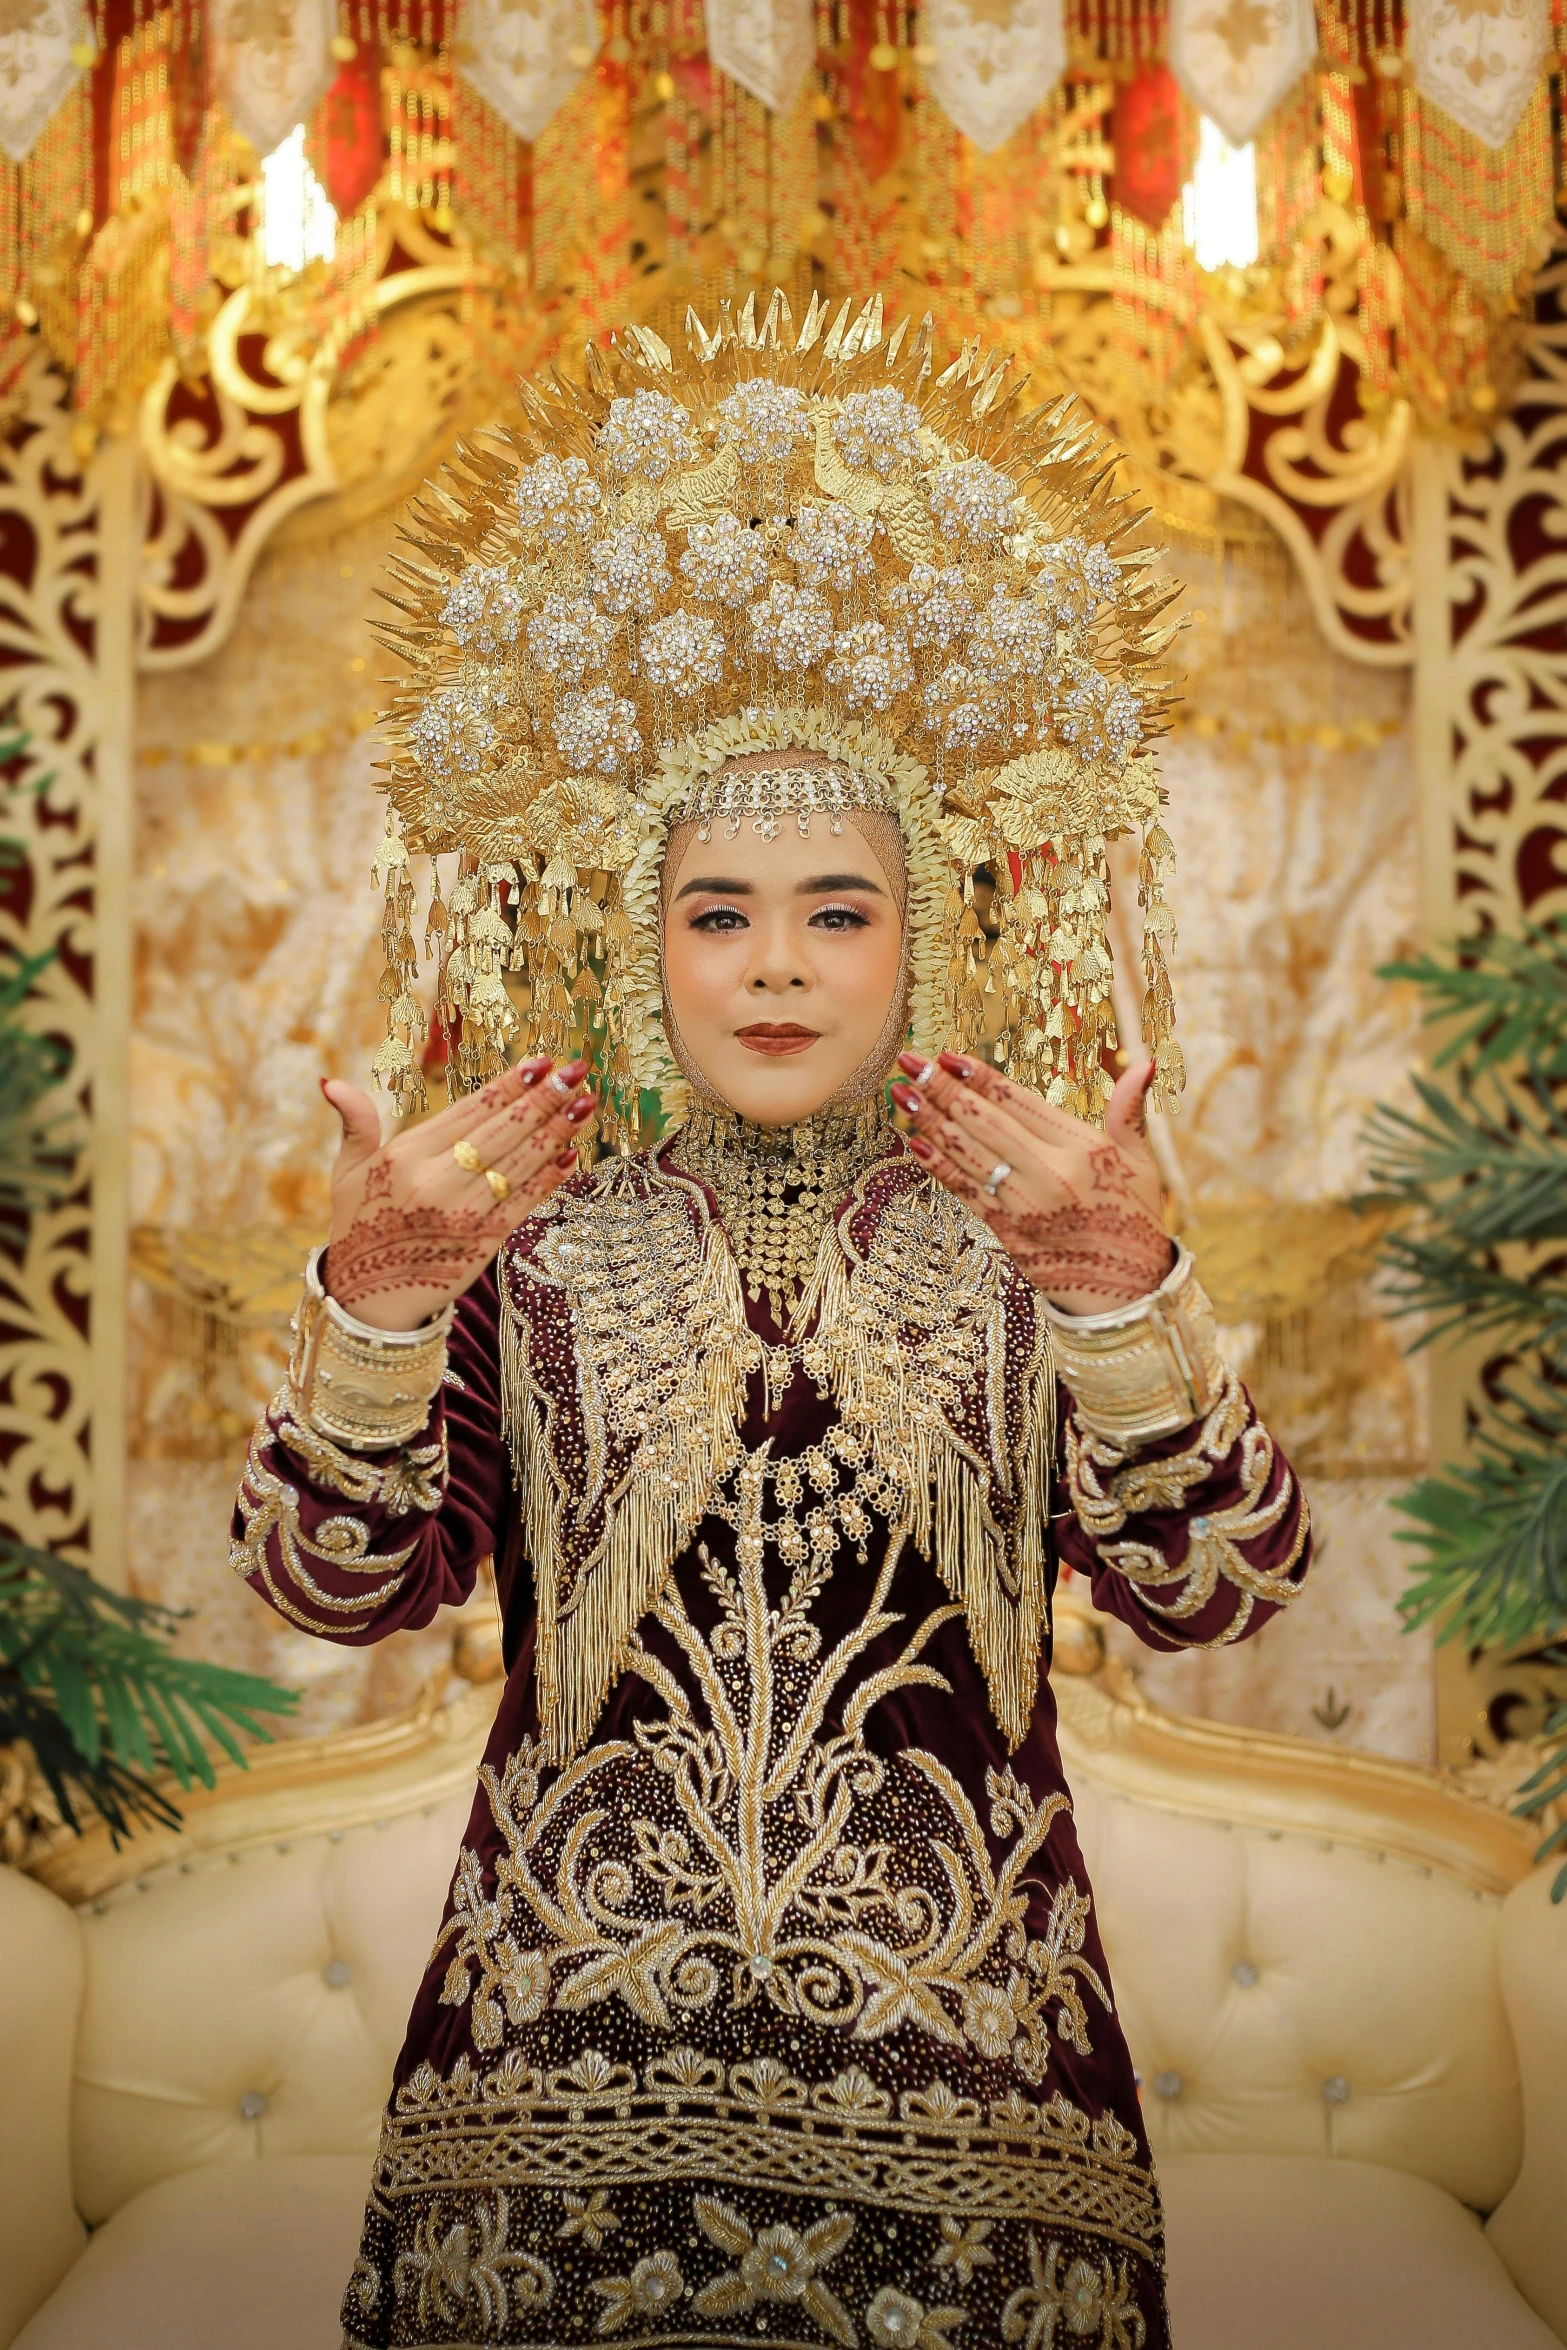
776	1036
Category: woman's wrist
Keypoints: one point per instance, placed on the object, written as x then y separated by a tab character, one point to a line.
1143	1370
364	1387
391	1311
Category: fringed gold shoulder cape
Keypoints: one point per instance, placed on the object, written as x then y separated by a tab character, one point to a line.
632	1382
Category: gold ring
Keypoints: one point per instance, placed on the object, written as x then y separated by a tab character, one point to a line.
467	1157
998	1175
497	1182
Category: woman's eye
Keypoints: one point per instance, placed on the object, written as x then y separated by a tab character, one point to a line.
720	918
837	918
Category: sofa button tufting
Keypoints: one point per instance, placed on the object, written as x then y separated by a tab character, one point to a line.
1168	2084
253	2105
1336	2089
1244	1973
337	1975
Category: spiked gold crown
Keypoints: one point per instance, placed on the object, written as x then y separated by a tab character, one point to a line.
779	542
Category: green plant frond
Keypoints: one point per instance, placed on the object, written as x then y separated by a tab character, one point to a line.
1461	1296
1494	1537
1483	1176
1508	994
99	1665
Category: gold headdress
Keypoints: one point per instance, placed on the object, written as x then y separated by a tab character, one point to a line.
764	547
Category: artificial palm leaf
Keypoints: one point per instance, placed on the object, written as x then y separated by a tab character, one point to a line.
1479	1172
89	1680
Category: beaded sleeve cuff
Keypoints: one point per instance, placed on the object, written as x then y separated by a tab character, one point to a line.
364	1389
1146	1370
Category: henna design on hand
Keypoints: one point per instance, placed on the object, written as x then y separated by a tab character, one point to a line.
411	1234
408	1248
1078	1210
1117	1255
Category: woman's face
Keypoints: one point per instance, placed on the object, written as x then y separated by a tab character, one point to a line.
781	960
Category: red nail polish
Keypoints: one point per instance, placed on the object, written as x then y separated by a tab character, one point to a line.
907	1099
567	1159
531	1071
913	1063
920	1147
956	1065
581	1110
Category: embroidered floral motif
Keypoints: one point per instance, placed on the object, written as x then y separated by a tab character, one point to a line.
1107	1488
896	2321
738	1851
775	2264
1090	2301
590	2217
467	2267
653	2285
963	2248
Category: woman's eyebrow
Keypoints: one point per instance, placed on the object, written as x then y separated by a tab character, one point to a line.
829	881
704	887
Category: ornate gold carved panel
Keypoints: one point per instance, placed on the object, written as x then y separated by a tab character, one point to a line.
1490	611
66	544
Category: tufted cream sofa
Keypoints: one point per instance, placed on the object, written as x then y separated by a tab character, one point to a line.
1346	1993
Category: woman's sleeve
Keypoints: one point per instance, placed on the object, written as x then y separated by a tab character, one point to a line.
354	1545
1195	1539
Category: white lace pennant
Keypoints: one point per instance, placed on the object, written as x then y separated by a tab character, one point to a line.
36	69
996	60
1478	59
764	45
525	57
1236	59
271	63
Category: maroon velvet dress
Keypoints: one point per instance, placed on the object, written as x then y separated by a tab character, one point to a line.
769	2003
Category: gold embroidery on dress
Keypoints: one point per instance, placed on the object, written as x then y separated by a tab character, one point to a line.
619	1453
740	1849
595	2124
653	2285
896	2321
268	1505
466	2265
1107	1488
414	1479
1091	2302
774	2264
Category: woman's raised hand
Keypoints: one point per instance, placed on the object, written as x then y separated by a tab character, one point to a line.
413	1223
1078	1211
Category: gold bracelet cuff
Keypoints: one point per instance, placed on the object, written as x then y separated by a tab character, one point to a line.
1146	1370
362	1388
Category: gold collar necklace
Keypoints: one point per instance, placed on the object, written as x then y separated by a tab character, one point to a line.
778	1188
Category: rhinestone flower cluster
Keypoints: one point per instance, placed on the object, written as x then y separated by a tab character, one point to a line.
569	637
879	430
832	547
684	651
557	500
792	628
764	422
647	435
725	561
628	572
484	609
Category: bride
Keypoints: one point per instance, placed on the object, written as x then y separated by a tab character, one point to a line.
769	2002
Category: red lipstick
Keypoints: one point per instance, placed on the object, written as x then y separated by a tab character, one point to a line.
777	1037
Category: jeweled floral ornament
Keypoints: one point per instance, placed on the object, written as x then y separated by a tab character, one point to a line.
778	542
